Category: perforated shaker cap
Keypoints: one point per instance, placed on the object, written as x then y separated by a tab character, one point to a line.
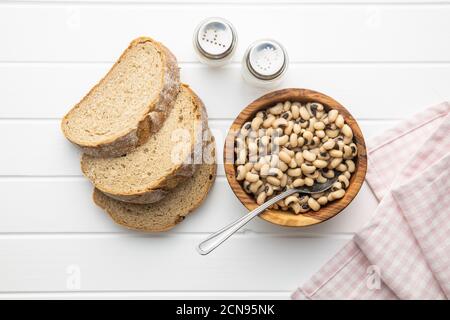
266	59
215	38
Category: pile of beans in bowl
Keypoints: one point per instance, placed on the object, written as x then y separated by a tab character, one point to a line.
293	145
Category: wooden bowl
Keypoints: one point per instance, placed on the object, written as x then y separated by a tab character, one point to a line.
287	218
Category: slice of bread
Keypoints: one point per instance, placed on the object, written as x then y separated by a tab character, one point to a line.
165	214
128	104
167	158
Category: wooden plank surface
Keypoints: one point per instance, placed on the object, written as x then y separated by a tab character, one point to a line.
310	33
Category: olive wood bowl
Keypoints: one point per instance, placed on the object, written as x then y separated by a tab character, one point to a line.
288	218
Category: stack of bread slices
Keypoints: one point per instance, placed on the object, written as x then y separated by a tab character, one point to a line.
147	147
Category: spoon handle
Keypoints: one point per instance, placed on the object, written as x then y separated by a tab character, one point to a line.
217	238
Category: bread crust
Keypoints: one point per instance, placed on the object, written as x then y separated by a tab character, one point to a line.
183	172
98	194
150	122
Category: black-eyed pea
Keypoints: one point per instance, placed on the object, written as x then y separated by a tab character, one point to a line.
338	194
261	114
347	174
325	139
245	130
336	153
289	128
282	166
336	186
286	115
268	189
327	173
290	152
284	156
267	123
347	140
347	131
323	200
303	198
315	141
298	183
283	180
350	166
332	133
257	166
297	172
273	181
296	207
300	142
261	198
332	115
321	179
304	208
313	175
274	160
254	186
296	128
246	186
293	140
295	109
241	157
329	144
281	141
291	199
309	156
293	164
275	172
344	181
304	114
277	109
347	152
249	166
341	167
256	123
241	172
251	177
309	182
307	169
323	156
265	170
270	132
279	122
308	136
334	163
287	105
320	134
319	125
304	124
313	204
317	195
339	121
354	149
320	164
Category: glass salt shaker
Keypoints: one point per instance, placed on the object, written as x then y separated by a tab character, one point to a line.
215	41
265	63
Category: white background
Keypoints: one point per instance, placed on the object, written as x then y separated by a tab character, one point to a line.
383	60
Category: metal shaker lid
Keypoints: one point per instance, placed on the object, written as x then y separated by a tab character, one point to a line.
266	59
215	38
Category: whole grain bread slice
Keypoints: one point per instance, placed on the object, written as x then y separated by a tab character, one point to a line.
146	174
165	214
128	104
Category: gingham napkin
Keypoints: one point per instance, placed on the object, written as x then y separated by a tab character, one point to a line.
404	251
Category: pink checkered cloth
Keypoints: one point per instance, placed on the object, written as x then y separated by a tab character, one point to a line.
404	251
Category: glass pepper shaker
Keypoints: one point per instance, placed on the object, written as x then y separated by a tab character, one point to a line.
265	63
215	41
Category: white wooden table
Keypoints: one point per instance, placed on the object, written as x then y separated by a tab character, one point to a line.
384	60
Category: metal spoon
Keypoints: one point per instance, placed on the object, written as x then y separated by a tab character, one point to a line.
217	238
